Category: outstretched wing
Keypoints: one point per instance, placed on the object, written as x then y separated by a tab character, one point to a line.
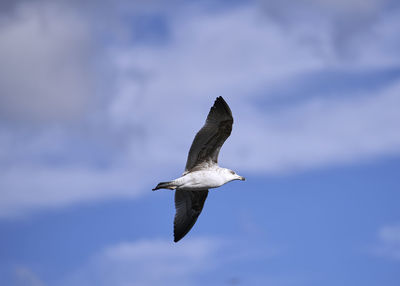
211	137
188	206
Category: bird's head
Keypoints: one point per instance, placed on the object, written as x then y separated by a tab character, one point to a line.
232	175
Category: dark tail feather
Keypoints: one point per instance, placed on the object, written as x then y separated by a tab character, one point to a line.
164	185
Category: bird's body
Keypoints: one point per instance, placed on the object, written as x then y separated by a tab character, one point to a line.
211	178
204	179
202	171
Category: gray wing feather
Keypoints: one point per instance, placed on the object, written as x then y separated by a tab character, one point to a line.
189	205
211	137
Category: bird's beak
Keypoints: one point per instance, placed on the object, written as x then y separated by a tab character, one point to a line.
242	178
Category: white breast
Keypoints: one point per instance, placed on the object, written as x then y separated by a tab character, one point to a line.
201	180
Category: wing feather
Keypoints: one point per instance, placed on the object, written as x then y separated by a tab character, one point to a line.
209	140
189	205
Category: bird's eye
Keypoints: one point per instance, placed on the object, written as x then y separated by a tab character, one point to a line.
232	172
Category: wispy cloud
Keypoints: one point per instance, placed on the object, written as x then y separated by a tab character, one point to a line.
148	262
161	262
318	132
31	188
25	276
389	242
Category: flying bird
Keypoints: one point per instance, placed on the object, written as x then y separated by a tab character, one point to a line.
202	171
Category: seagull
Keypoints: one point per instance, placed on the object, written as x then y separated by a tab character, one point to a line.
202	171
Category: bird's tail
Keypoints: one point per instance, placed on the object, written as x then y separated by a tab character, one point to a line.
165	185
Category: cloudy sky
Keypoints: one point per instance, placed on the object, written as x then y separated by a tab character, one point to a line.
100	100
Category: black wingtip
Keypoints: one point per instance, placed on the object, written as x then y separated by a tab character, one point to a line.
179	235
221	104
220	98
177	238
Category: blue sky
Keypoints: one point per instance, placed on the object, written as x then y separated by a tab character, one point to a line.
100	100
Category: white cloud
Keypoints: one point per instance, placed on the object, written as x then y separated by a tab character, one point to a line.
317	132
208	54
25	189
163	262
389	242
148	262
248	52
26	277
350	30
45	51
162	93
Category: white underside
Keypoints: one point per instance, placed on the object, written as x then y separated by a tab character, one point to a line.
202	180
